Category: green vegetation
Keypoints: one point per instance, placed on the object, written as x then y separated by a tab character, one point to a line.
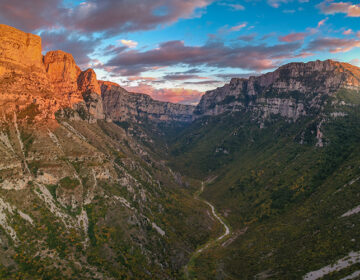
276	182
69	183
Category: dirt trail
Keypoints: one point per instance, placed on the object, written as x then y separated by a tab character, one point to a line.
211	242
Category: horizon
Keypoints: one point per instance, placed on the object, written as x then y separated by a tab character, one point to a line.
177	50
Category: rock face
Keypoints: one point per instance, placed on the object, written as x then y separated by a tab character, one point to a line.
19	49
48	84
121	105
54	82
290	91
87	81
62	71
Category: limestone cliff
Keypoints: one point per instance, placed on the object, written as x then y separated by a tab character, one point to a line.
19	50
54	83
121	105
46	84
62	71
291	91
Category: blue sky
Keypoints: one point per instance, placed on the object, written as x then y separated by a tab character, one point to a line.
175	50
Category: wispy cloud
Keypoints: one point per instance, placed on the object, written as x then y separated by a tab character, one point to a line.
333	45
293	37
238	27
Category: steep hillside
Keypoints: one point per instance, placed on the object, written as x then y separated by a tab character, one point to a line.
80	198
280	153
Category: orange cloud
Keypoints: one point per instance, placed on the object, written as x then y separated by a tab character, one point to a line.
139	78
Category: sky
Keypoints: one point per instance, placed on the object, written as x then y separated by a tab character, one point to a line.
176	50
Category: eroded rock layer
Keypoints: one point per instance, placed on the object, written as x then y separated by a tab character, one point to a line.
121	105
291	91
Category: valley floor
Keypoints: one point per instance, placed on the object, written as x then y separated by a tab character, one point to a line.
211	242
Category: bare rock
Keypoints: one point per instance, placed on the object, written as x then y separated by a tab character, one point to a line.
291	91
121	105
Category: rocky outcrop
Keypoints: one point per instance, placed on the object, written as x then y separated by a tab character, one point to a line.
94	105
291	91
87	81
19	50
121	105
62	71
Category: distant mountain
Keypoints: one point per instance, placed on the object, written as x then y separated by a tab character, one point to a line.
292	91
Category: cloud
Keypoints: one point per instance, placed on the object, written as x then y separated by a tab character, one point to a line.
322	22
293	37
56	18
140	78
174	95
237	7
247	38
113	49
351	10
205	83
181	77
104	16
355	61
348	32
251	57
119	16
277	3
238	27
30	15
129	43
333	45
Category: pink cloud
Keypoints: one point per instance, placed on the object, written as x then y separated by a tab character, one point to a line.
174	95
107	16
322	22
114	16
238	27
351	10
254	57
333	45
293	37
139	78
348	32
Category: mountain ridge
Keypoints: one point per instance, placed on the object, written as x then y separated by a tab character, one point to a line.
288	91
